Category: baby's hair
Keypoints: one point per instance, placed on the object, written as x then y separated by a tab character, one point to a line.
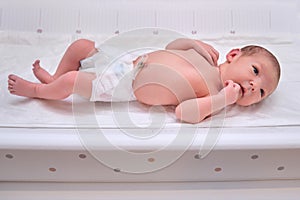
253	49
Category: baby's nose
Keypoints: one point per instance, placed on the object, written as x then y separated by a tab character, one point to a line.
253	86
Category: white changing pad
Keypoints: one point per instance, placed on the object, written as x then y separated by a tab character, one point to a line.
18	52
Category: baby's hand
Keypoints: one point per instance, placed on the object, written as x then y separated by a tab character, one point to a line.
232	92
214	54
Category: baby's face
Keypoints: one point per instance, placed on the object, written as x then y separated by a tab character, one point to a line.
256	76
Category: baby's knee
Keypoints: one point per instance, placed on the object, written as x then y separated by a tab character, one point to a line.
81	49
69	78
82	43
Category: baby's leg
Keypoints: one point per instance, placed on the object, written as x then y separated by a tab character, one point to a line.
78	50
62	87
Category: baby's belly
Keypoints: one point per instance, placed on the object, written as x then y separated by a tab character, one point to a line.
167	79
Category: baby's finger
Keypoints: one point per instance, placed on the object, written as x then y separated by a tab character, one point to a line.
236	86
228	82
215	56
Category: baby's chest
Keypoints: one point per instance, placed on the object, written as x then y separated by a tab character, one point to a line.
180	79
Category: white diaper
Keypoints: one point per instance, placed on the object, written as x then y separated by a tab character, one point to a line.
114	80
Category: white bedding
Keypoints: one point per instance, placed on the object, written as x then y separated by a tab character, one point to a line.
19	51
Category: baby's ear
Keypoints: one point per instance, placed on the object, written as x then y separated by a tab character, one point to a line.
232	54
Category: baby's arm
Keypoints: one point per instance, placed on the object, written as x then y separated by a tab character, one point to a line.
206	50
195	110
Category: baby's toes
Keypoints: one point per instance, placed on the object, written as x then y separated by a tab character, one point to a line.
12	78
36	64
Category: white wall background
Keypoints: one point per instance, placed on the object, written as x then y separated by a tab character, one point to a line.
298	21
257	17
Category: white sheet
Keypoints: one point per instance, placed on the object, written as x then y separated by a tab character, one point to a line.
19	51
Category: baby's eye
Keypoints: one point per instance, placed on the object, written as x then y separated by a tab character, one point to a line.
255	70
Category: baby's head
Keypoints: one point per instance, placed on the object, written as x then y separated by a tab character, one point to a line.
255	69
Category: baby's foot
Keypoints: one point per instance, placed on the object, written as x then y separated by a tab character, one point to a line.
40	73
21	87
